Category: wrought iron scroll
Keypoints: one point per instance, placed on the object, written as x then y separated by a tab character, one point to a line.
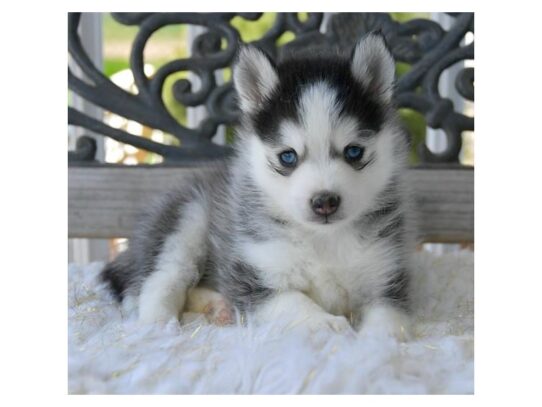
422	43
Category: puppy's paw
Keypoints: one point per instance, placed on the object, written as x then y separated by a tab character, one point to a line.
323	321
158	313
215	306
386	321
219	312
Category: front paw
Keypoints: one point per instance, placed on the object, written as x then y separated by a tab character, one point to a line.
321	321
160	313
386	321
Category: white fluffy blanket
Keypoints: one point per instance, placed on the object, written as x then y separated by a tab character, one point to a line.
110	353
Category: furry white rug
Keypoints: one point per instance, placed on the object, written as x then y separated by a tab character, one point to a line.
110	353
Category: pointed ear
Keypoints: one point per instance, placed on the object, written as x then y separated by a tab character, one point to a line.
254	77
373	66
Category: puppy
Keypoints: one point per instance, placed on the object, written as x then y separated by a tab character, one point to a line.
309	220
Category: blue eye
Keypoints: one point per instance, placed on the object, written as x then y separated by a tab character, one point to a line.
353	153
288	158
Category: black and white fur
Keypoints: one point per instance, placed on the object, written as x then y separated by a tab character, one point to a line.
245	230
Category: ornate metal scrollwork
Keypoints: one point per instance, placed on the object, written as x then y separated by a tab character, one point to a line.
422	43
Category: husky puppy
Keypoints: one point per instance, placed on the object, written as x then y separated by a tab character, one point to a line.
308	222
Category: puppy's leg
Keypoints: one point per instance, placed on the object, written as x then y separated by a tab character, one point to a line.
163	293
382	319
388	315
295	308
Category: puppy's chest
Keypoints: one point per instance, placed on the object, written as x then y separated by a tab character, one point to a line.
337	273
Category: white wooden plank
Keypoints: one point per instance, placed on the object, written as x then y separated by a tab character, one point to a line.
105	202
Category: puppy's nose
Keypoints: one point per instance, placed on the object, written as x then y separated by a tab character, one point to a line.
325	203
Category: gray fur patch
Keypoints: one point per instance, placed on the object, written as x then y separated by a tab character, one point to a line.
397	290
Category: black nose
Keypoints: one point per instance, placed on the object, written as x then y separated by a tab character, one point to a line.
325	203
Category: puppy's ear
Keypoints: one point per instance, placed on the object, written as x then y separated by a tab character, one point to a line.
373	66
254	77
